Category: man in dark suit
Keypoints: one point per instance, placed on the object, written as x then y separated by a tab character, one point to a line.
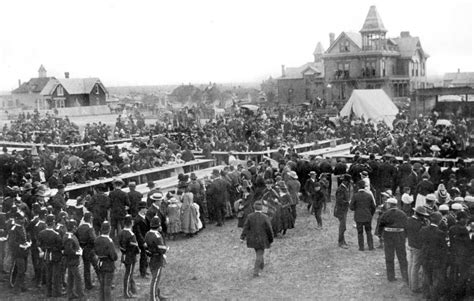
119	204
434	254
364	208
217	197
156	210
341	207
135	197
105	250
140	228
259	235
99	206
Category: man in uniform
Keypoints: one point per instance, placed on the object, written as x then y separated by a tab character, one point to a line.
35	226
140	228
364	208
86	236
341	207
50	243
129	248
72	254
135	197
393	224
259	235
19	247
99	206
156	249
105	250
119	204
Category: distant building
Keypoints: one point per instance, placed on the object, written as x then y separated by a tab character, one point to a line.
364	60
459	79
46	93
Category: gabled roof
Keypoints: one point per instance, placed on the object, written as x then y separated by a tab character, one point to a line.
297	72
373	22
459	78
407	46
34	85
73	86
355	37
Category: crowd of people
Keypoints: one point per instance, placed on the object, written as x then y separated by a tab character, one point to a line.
403	196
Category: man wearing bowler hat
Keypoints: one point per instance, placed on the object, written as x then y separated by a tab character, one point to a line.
258	233
140	228
341	207
119	204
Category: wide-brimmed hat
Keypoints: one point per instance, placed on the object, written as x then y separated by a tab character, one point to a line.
292	174
421	210
157	196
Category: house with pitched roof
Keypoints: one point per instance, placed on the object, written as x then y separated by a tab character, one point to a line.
304	83
367	59
46	93
458	79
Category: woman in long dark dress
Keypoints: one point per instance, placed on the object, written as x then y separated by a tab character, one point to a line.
245	205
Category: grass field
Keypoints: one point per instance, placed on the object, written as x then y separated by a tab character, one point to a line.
305	264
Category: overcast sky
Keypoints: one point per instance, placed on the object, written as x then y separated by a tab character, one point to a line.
172	42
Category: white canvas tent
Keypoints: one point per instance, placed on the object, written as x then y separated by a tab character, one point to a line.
370	104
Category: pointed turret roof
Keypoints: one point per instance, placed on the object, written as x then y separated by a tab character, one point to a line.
373	22
319	49
42	69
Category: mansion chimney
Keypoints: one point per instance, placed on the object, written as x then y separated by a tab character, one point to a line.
283	71
331	38
405	34
19	82
66	74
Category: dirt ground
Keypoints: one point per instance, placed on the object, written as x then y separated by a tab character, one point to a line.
304	264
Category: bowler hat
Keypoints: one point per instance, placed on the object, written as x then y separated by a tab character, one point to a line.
150	184
118	181
155	222
312	173
141	205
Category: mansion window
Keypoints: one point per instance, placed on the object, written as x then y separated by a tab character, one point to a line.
342	71
369	69
60	91
344	46
383	68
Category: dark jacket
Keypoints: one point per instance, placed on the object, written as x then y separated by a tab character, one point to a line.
51	243
71	247
257	231
363	206
128	246
118	201
393	218
156	248
98	205
414	225
434	250
105	250
342	201
86	236
140	228
134	197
